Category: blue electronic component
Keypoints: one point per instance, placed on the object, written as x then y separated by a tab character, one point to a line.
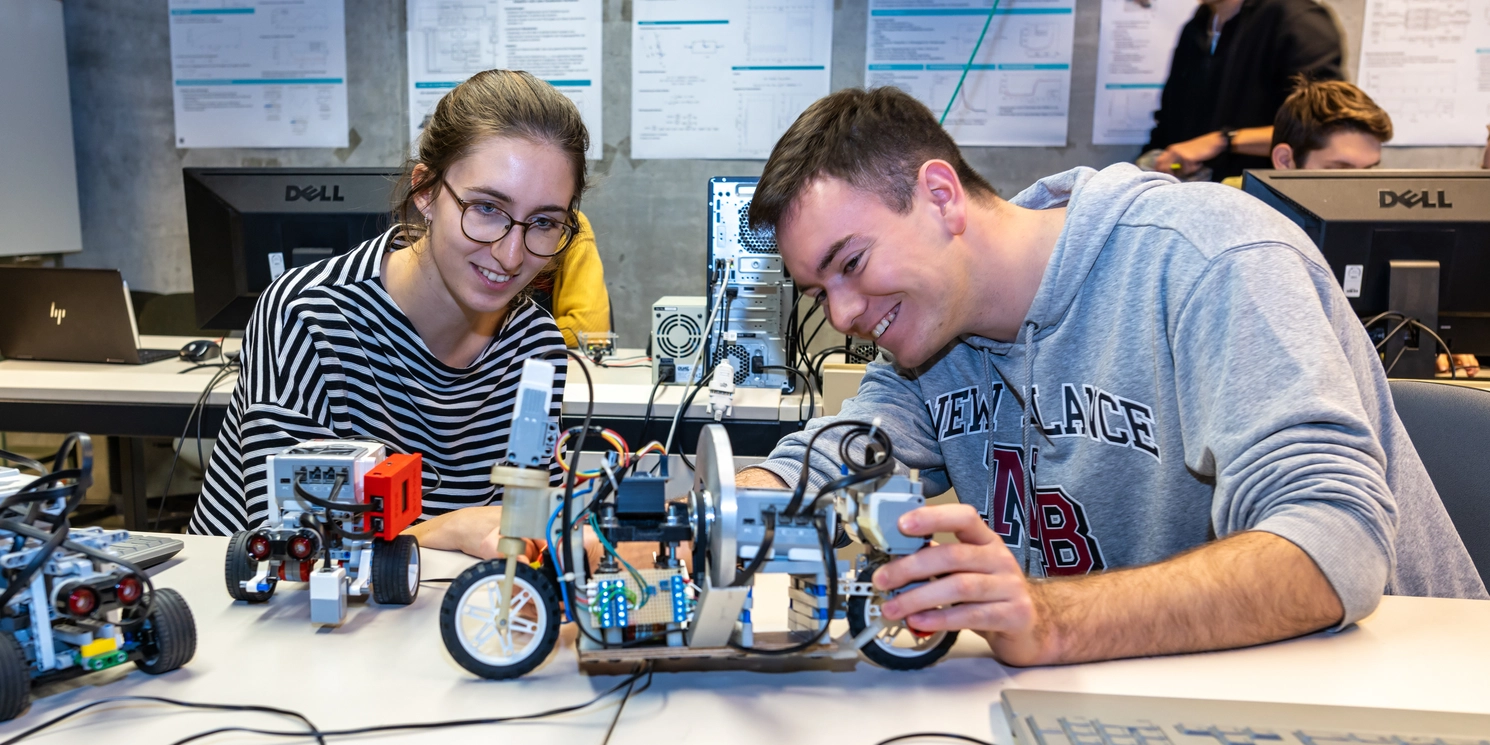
610	603
680	598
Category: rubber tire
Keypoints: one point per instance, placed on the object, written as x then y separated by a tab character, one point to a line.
547	596
239	566
858	620
15	679
390	570
170	630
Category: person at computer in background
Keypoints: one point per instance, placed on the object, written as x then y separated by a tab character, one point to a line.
417	338
1331	124
1219	462
576	292
1232	67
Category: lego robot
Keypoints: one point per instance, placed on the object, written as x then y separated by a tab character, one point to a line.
67	606
500	618
341	504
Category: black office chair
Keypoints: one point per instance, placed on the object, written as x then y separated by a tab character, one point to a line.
1447	423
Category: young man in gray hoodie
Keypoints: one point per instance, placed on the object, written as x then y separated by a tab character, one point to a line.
1166	375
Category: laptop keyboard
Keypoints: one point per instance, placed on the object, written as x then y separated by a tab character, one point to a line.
145	551
156	355
1084	731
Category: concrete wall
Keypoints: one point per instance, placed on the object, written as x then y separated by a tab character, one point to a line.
648	214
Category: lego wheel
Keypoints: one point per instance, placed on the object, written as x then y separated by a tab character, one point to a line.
169	633
15	679
897	646
395	570
240	567
471	630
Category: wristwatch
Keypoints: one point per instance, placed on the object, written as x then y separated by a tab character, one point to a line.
1230	135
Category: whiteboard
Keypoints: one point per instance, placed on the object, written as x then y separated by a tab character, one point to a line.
39	191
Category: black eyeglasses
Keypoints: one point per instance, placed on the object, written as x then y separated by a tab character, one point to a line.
484	222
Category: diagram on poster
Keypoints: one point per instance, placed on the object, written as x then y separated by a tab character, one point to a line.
1017	89
259	73
1427	62
724	79
1135	44
556	40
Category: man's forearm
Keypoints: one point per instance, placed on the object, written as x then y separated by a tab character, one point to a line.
1250	588
1253	141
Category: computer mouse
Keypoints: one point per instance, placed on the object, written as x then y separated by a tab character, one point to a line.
200	351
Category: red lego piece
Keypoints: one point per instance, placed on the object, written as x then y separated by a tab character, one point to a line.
395	485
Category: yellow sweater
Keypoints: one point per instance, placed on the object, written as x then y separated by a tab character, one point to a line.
580	300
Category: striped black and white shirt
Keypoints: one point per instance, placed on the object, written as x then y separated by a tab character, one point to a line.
328	354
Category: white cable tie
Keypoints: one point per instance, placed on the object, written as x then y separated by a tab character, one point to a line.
568	577
874	425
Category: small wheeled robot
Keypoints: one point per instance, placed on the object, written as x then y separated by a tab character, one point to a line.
500	618
68	606
341	504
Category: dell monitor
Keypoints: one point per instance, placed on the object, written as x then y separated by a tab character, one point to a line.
1414	242
247	226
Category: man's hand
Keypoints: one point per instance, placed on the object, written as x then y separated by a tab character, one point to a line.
975	584
1466	364
1248	588
1185	158
471	530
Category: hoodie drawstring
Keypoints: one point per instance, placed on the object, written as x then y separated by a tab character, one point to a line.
1026	418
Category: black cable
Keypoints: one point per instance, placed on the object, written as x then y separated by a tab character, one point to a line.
647	417
830	568
1409	320
938	735
200	404
806	383
800	492
620	707
23	461
314	732
759	560
816	362
416	726
815	331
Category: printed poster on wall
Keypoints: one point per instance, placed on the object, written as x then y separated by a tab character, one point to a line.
259	73
556	40
724	78
1018	88
1135	43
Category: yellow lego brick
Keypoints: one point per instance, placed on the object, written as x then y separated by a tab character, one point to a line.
98	647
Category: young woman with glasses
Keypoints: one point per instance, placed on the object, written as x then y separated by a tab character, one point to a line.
417	338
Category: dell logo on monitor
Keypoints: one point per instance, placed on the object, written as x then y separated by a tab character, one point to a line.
1408	198
313	193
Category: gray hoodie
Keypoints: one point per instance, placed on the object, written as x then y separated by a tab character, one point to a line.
1189	369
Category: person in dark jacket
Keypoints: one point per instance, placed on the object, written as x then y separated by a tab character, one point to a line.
1233	67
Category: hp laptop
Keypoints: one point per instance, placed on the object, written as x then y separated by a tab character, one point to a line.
1054	718
69	315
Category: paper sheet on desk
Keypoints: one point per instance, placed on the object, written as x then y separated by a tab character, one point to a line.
1427	62
1017	92
1134	47
259	73
557	41
724	78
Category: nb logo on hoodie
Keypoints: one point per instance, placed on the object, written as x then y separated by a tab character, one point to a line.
1061	532
963	412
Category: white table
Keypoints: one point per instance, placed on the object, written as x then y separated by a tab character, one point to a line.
132	402
388	665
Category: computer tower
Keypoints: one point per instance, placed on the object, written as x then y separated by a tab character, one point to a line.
677	332
751	328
